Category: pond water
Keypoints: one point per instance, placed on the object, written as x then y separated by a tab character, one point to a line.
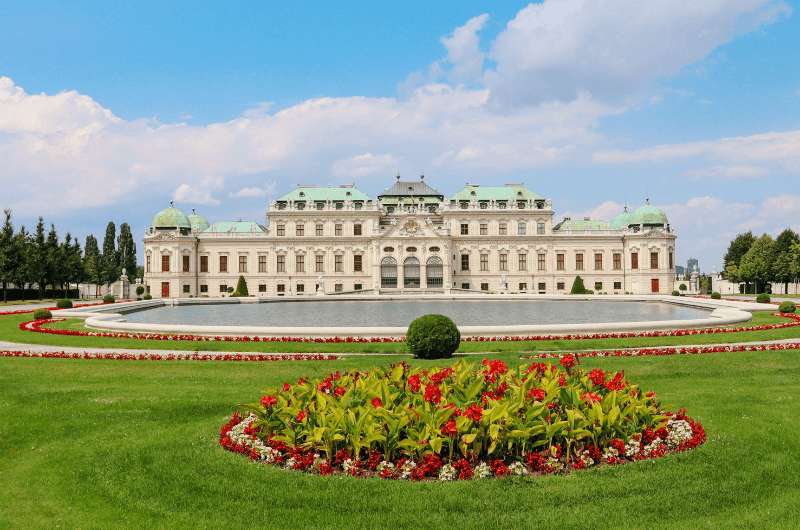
399	313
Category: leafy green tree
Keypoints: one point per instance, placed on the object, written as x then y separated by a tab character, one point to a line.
110	260
756	266
127	250
9	256
38	258
732	273
783	269
737	249
92	266
22	275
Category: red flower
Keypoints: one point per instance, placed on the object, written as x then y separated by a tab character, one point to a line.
286	387
433	394
325	468
562	381
591	397
474	412
494	368
449	428
376	402
567	361
536	394
617	383
597	376
300	416
269	401
441	375
339	391
414	383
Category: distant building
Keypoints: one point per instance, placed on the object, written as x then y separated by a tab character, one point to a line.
680	272
692	265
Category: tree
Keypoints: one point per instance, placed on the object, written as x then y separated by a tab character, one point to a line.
23	246
577	286
92	267
241	288
127	250
54	271
783	269
110	260
756	266
737	249
9	257
38	258
72	267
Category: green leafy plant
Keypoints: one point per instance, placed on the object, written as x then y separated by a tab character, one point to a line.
64	303
42	314
676	293
683	287
716	296
433	337
139	290
787	307
763	298
109	299
578	287
241	288
147	297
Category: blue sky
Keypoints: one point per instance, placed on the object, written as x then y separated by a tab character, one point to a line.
112	110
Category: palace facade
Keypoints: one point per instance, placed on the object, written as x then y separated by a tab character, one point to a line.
410	239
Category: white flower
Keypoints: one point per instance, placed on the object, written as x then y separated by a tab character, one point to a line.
482	470
385	465
652	447
678	431
632	448
407	468
289	464
447	472
586	458
348	465
518	468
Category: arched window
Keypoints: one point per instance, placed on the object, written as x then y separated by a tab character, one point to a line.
389	273
434	273
411	273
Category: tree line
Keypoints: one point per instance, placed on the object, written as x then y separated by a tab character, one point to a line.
758	262
39	258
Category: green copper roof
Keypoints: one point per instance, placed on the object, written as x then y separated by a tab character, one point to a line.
623	220
198	222
582	225
325	193
170	218
235	227
649	215
509	192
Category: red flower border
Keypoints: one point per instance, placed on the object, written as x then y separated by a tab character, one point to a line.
113	356
39	326
668	350
23	311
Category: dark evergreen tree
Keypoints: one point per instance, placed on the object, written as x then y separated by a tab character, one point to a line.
23	246
127	250
241	288
92	266
110	261
53	257
9	259
577	286
38	258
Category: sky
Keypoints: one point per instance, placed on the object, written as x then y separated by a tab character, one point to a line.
110	110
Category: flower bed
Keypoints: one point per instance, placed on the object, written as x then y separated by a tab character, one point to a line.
41	326
114	356
54	308
670	350
466	421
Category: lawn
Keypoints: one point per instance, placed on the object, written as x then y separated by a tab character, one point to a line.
9	331
106	443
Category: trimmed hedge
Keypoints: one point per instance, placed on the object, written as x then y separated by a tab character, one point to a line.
716	296
64	303
763	298
109	299
42	314
787	307
33	294
433	337
148	297
676	293
241	288
578	287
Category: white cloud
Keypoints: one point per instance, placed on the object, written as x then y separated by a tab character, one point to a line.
463	50
557	50
605	211
188	194
732	172
250	192
365	165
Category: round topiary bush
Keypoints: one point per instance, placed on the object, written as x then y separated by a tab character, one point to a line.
433	337
140	290
787	307
676	293
716	296
109	299
763	298
148	297
64	303
42	314
469	420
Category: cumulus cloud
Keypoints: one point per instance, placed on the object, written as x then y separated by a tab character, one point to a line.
365	165
605	211
463	50
251	192
188	194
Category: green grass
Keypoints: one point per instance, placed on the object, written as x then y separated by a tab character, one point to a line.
9	331
97	444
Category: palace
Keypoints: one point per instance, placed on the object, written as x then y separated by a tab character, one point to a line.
411	239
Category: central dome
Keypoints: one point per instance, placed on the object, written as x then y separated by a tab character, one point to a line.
649	215
171	218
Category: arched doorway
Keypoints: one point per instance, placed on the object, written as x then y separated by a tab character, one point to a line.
388	273
434	273
411	273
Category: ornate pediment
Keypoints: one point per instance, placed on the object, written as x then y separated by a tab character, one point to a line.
411	226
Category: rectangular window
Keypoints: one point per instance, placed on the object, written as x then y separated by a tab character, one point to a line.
579	261
465	285
185	263
542	286
503	261
281	289
299	229
300	288
357	229
204	288
337	229
223	264
223	288
464	229
598	286
147	264
242	263
320	230
540	228
280	264
281	230
522	228
560	262
503	229
522	261
484	262
262	263
598	261
523	287
164	263
319	263
357	287
299	263
484	229
671	261
338	263
338	287
484	287
203	263
634	260
617	261
541	261
186	288
262	287
654	260
464	262
357	267
617	286
560	286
